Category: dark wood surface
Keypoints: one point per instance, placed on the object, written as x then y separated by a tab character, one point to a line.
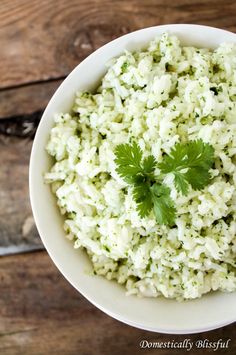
41	41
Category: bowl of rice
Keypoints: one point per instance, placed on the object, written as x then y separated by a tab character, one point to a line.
133	178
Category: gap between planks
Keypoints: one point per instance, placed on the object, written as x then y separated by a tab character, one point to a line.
26	99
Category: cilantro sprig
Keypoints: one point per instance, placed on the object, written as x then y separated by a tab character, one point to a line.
129	162
188	162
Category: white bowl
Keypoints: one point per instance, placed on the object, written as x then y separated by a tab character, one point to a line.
160	315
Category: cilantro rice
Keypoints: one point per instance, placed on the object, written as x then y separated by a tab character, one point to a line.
160	96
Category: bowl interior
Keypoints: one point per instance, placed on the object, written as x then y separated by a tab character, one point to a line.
161	315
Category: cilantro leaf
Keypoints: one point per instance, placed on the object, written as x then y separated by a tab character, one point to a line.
200	154
198	178
143	198
163	205
180	183
156	197
190	163
149	164
128	161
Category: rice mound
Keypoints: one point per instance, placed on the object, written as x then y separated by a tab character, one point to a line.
164	94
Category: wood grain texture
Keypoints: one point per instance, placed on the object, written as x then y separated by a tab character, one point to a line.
40	313
45	39
25	100
17	226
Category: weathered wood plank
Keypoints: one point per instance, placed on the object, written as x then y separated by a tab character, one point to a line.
17	226
41	40
40	313
26	99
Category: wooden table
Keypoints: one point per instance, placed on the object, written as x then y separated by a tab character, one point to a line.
41	42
